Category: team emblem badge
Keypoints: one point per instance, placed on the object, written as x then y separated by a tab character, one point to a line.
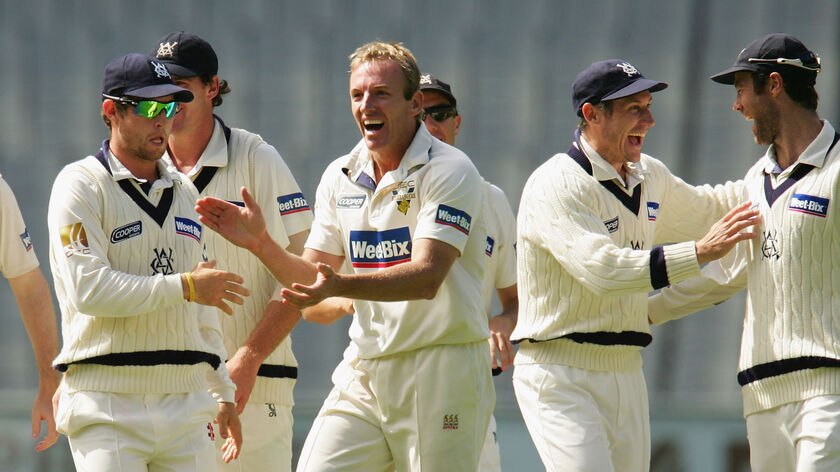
166	49
162	263
160	70
770	246
403	195
628	69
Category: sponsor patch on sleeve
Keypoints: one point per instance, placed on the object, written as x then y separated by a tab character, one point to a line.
127	231
188	227
292	203
652	209
488	249
809	204
26	240
449	216
378	249
612	225
74	239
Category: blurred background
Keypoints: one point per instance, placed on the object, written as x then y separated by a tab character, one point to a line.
511	65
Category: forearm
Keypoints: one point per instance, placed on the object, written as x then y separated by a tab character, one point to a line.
285	266
276	324
329	310
38	315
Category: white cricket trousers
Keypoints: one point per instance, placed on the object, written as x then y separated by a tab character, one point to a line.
802	436
139	432
582	420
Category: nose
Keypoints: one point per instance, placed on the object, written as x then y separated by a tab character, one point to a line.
648	118
736	106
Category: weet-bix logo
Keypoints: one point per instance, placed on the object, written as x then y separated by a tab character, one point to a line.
653	209
292	203
188	227
26	240
488	249
612	225
809	204
377	249
128	231
460	220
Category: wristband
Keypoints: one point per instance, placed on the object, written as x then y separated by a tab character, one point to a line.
191	286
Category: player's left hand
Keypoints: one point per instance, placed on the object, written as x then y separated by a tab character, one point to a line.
501	349
243	372
230	429
302	296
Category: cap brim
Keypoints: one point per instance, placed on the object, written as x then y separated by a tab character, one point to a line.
638	86
441	91
179	71
161	90
727	77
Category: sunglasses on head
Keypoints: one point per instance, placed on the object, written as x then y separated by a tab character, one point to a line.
439	113
148	108
810	62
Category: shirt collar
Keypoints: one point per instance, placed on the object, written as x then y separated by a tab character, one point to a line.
815	154
359	168
215	154
121	172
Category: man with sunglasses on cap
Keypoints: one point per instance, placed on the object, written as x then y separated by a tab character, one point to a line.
789	368
142	342
592	228
220	161
441	117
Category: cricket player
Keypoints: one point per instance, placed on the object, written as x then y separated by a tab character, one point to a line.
403	209
591	227
220	160
19	265
142	342
441	117
789	370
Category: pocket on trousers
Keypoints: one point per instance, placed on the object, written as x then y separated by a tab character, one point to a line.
77	410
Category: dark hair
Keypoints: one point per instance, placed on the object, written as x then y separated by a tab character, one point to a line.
799	87
224	88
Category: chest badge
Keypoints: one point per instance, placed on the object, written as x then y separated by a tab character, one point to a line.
403	194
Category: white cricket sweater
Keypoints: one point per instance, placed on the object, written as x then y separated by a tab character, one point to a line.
225	166
116	257
587	258
792	273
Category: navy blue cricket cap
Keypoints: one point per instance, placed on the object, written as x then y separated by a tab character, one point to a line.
187	55
609	80
430	82
138	75
778	52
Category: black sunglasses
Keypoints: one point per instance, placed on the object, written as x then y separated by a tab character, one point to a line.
439	113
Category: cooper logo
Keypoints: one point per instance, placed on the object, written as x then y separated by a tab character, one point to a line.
809	204
612	225
125	232
653	209
350	201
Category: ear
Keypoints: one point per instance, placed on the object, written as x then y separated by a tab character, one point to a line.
416	103
589	112
775	84
213	88
109	108
457	124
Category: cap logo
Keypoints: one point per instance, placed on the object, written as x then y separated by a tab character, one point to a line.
628	69
425	79
160	70
166	49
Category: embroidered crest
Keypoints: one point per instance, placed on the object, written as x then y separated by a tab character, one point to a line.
450	422
403	195
628	69
74	239
162	263
166	49
770	245
160	70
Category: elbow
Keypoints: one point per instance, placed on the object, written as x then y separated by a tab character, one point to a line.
429	290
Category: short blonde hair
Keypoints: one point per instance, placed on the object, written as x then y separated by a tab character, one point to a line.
382	51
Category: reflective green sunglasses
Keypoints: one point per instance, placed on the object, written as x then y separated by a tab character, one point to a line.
148	108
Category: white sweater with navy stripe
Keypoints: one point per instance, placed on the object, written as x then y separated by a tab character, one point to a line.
588	256
792	273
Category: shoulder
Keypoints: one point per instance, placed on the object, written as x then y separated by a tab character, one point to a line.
494	193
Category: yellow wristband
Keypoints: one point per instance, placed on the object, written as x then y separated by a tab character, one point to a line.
191	286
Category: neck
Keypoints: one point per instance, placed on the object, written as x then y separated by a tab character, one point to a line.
383	163
138	166
187	145
603	150
797	131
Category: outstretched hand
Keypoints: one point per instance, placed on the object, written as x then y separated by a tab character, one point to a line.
727	232
230	429
302	296
215	287
242	226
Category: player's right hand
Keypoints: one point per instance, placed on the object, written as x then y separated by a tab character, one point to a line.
244	227
230	429
733	227
215	287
